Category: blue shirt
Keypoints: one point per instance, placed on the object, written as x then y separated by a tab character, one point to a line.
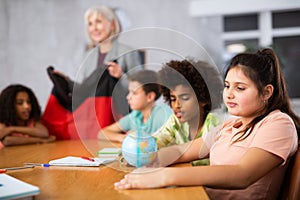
134	120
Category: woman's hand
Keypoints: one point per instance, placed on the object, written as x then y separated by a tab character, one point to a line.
114	69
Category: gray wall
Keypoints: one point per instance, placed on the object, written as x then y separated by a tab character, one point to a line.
37	33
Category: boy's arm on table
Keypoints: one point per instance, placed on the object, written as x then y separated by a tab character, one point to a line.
112	132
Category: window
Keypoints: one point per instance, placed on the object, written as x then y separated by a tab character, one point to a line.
286	19
240	23
288	50
280	30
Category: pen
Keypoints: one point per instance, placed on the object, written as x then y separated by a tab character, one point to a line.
37	164
87	158
15	168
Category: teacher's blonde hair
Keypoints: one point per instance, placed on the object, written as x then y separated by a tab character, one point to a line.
108	14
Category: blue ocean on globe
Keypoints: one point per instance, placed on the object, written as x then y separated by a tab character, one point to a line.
139	149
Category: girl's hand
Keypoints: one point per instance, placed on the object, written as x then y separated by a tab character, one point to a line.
114	69
4	131
51	138
19	140
143	178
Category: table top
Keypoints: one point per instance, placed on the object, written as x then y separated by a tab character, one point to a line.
57	182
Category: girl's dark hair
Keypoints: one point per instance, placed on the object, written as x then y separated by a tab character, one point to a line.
263	68
148	80
8	104
204	79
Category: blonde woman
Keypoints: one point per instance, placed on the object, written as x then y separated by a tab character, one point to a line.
102	74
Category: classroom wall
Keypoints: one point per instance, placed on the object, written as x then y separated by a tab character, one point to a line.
37	33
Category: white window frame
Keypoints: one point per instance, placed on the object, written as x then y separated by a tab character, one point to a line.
265	32
264	9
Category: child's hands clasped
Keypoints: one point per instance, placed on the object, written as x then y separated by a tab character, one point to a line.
4	131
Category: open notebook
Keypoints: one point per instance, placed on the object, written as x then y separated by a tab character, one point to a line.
81	161
12	188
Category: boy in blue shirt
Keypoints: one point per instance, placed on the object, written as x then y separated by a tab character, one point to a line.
145	115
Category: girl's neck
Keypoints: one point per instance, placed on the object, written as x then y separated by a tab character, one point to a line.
194	130
21	123
246	121
195	126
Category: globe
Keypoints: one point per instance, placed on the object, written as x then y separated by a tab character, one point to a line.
139	149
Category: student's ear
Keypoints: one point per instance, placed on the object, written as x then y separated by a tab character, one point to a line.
151	96
268	91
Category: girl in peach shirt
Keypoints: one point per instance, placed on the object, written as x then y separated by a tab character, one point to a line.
249	154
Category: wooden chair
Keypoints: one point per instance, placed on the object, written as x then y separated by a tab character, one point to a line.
291	184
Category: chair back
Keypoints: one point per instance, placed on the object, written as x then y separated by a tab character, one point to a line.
290	189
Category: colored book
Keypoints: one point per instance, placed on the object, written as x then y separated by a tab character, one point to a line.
109	152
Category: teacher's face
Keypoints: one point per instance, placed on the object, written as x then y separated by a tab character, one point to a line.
99	28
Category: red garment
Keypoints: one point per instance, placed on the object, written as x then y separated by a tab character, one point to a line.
94	114
82	114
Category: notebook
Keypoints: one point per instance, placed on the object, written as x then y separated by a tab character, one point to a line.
81	161
12	188
109	152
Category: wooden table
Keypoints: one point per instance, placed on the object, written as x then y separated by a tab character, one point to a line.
81	182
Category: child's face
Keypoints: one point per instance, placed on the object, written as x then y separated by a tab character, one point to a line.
137	98
23	106
241	95
184	104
